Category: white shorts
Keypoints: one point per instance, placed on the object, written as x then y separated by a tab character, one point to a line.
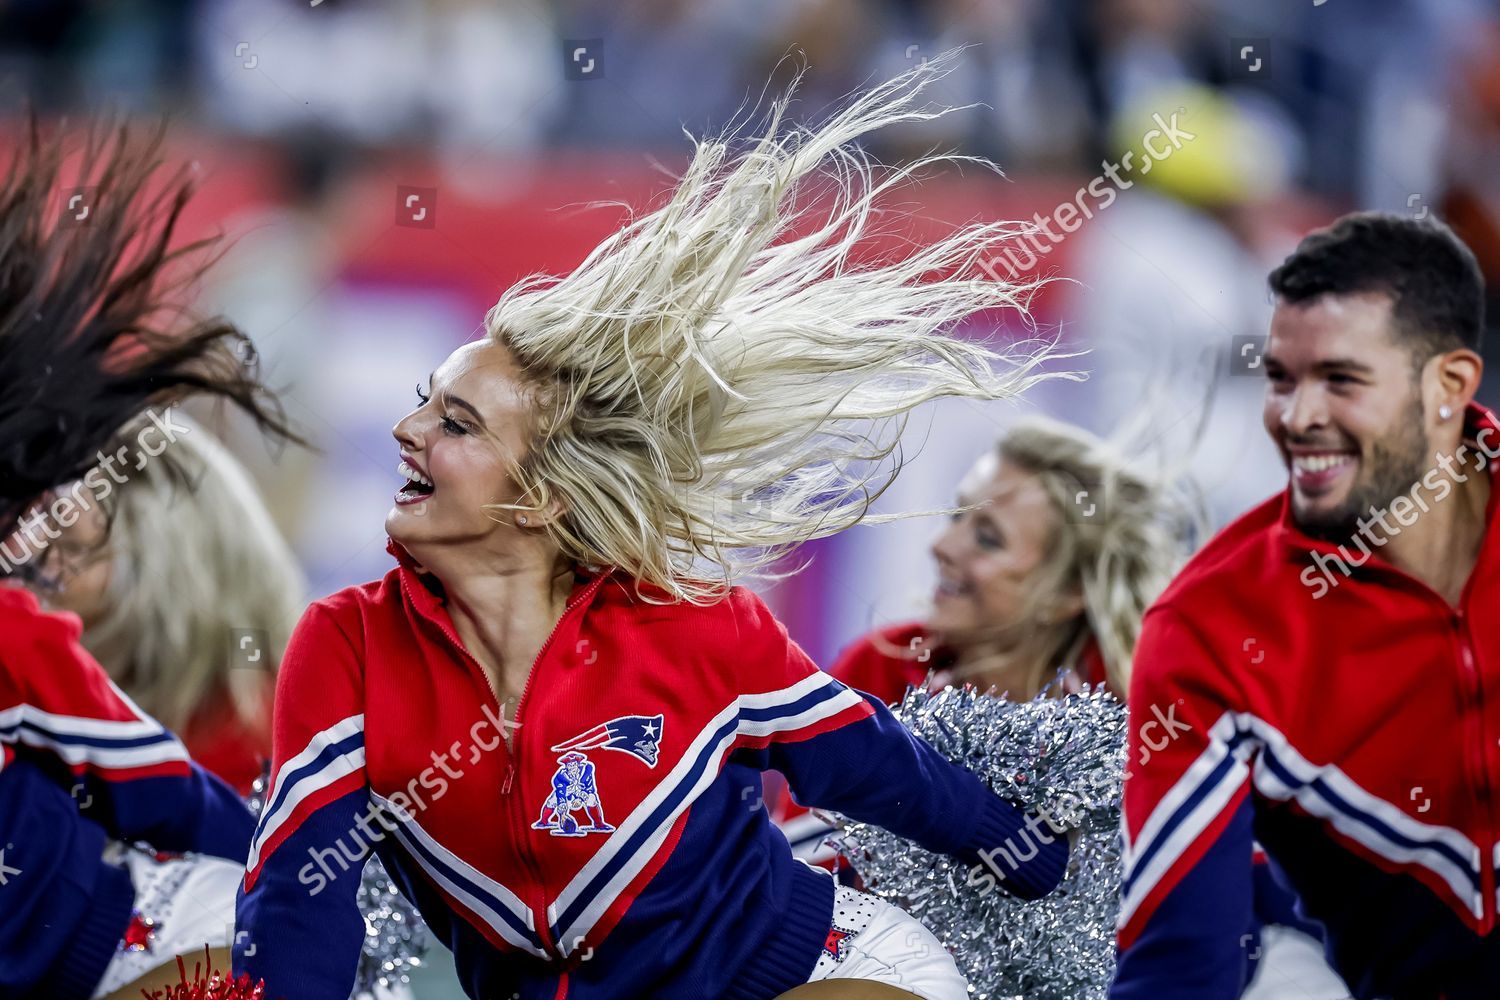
875	941
190	901
1292	965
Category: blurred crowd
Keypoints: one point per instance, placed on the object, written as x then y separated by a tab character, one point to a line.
1054	75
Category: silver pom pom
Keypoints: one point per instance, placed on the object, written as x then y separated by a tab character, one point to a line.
257	797
396	939
1062	757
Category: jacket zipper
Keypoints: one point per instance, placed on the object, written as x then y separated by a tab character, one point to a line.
1479	743
1475	683
1478	747
520	826
519	830
588	592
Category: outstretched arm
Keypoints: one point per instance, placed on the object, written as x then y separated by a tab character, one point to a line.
875	771
845	751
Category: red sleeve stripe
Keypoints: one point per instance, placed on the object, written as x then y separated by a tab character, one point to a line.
847	708
1382	828
137	724
306	810
1191	814
1130	930
494	905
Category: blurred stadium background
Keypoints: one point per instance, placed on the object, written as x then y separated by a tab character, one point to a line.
383	170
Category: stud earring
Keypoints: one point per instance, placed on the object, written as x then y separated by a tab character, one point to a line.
1445	411
521	520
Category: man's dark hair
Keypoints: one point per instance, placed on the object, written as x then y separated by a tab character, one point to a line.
1432	278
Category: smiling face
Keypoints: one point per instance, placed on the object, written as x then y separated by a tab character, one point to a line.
986	556
457	450
1344	409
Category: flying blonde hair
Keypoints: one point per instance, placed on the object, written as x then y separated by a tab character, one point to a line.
715	386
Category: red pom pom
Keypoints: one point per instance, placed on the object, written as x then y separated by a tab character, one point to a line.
205	985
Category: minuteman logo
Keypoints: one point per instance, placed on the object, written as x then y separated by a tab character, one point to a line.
573	791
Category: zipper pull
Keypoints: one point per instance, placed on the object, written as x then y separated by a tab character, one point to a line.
510	774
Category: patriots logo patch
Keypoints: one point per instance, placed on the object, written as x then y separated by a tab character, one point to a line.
637	735
573	791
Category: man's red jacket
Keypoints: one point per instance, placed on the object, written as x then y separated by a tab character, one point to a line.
1351	725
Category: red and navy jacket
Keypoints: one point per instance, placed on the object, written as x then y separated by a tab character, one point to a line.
1351	725
621	848
79	764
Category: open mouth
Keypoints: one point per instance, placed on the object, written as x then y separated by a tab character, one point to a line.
1317	472
948	589
418	487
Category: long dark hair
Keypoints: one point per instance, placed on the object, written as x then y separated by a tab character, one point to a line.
92	326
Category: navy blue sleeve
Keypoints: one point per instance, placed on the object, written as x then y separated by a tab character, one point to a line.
1188	951
1186	926
299	928
197	812
51	869
875	771
297	920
